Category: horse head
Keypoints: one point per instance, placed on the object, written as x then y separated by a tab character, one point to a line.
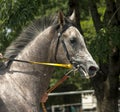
71	48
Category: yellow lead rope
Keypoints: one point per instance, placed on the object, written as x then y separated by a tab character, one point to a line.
52	64
3	59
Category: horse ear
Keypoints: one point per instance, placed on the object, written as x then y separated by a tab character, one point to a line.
61	18
73	17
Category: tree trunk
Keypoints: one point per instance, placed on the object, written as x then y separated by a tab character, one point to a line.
95	15
106	83
74	5
106	89
118	10
110	16
99	85
113	81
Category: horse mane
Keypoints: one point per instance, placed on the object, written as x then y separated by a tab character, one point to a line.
30	33
27	36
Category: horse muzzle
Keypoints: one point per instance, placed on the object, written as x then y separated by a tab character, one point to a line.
87	69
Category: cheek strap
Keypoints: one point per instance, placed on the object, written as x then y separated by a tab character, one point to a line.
64	28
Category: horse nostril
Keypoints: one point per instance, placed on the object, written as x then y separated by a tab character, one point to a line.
93	70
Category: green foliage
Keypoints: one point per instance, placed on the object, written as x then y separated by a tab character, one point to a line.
55	6
16	14
84	10
101	11
13	17
88	29
104	42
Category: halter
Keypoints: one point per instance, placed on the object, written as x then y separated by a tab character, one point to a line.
65	27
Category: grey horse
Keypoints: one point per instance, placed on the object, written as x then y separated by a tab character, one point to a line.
22	85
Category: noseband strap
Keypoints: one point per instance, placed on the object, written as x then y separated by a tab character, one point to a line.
65	27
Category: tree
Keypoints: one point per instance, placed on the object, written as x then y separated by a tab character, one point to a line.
95	15
106	83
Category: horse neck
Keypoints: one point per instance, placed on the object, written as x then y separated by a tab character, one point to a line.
35	78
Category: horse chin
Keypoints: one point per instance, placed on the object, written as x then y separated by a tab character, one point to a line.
83	73
82	70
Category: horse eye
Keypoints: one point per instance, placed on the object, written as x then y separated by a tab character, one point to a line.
73	40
